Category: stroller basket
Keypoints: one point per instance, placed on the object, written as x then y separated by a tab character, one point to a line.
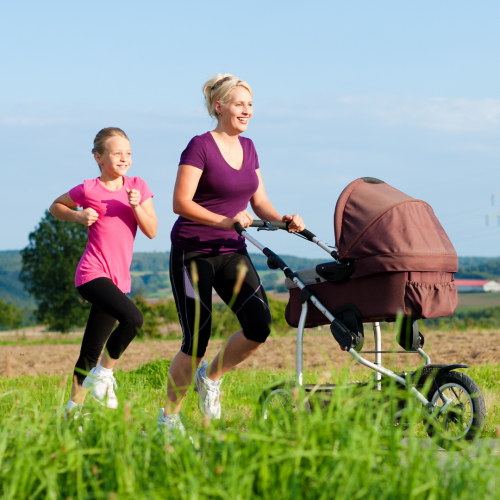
393	256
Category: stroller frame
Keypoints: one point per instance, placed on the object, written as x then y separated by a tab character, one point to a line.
275	262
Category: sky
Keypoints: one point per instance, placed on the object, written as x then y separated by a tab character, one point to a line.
407	92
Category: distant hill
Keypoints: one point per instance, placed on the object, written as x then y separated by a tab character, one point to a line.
150	273
474	261
489	270
11	289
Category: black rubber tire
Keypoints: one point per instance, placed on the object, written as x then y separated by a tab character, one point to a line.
475	421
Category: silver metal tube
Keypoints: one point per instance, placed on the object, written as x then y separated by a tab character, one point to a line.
378	354
387	372
252	240
322	245
424	355
300	339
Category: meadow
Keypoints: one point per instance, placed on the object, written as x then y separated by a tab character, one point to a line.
349	450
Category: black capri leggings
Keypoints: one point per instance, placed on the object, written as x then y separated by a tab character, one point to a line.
109	304
220	272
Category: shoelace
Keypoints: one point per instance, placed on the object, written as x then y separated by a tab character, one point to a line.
109	380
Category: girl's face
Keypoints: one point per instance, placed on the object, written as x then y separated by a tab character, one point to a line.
117	157
236	113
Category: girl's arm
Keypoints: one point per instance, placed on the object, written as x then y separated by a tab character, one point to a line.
266	211
145	214
186	183
62	209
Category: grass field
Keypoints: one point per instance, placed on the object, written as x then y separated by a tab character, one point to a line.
348	451
468	301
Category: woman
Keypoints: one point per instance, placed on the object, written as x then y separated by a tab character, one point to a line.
113	207
218	175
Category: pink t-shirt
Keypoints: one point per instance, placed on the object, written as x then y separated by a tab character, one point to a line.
111	238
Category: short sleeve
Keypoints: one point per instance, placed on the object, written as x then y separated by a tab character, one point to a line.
195	153
145	191
77	194
249	148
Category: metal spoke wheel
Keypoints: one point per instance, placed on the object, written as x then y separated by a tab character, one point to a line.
279	405
460	410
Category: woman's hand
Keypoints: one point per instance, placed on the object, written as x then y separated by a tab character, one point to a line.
87	217
243	217
296	223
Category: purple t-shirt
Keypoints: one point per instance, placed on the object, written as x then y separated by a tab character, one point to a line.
222	190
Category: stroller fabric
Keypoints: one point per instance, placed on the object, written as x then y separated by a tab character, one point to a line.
403	259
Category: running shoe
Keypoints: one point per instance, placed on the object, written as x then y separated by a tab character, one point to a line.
169	423
102	387
209	392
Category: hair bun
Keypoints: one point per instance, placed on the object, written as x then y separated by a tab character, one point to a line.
218	88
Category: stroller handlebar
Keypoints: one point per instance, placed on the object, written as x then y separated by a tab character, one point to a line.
273	224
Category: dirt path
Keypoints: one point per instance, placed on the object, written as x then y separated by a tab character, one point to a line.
320	350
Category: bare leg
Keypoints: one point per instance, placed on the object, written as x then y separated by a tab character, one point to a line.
181	371
107	361
180	376
237	349
78	392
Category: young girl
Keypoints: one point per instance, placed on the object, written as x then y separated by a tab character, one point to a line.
218	176
113	207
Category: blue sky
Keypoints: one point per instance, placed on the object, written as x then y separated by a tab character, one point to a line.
407	92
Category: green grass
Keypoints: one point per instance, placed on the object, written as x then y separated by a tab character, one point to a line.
347	451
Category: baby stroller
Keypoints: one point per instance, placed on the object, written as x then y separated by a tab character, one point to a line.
392	259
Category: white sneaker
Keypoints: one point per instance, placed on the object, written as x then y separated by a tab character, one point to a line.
209	392
169	423
102	386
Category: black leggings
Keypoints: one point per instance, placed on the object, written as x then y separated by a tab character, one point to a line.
109	304
220	272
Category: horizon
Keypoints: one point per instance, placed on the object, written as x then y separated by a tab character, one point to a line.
289	255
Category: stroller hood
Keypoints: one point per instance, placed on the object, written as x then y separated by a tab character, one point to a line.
384	230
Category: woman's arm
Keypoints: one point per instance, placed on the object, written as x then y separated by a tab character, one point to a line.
62	209
186	184
145	214
265	210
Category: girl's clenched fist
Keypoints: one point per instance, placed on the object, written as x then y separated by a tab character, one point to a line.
87	217
134	198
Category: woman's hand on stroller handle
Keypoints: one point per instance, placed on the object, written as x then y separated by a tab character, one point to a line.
243	218
296	224
274	224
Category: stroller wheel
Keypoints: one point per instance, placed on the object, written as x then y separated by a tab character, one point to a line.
280	404
464	417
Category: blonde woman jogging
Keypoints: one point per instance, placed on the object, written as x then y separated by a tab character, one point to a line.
113	207
218	176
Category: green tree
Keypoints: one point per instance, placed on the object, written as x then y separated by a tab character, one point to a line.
48	269
10	316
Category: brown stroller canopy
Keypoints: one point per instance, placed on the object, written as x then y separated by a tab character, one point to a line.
383	229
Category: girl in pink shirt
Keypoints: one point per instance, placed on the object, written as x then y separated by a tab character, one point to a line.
113	206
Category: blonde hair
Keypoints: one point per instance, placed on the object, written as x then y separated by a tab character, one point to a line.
219	87
102	136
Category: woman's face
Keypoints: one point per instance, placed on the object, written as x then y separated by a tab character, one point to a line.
236	113
117	157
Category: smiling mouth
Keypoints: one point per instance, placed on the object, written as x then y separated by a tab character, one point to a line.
243	120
